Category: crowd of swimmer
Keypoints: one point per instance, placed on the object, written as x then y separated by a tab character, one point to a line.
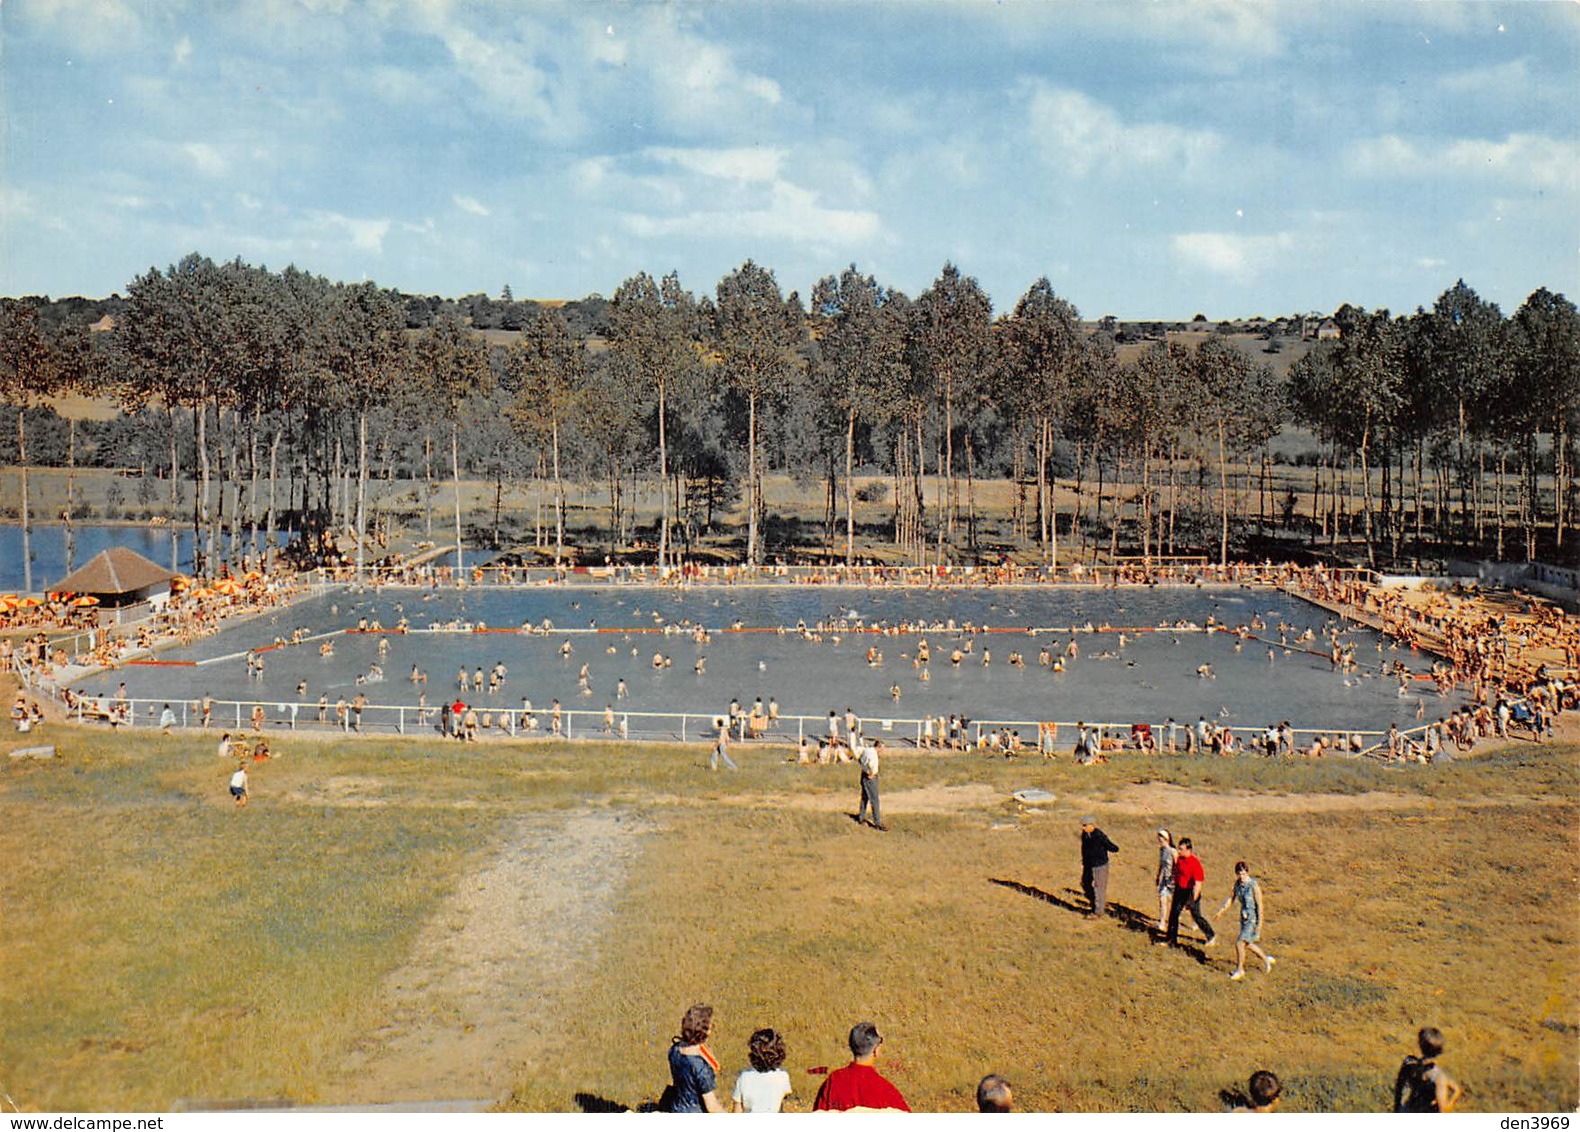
1487	655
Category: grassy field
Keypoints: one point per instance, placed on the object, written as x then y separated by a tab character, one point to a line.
527	923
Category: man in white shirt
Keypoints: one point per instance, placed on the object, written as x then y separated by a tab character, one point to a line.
868	758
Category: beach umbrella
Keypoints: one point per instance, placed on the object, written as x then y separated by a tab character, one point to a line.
10	601
30	602
84	601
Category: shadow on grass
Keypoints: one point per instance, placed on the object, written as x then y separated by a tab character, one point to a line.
591	1102
1131	919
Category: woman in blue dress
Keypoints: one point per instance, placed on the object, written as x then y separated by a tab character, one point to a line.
1248	893
693	1070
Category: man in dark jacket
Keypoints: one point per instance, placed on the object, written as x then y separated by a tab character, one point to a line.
1095	848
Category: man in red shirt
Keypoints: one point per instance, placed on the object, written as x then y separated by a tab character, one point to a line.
1189	876
859	1084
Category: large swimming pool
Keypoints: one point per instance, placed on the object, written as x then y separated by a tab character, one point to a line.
1139	657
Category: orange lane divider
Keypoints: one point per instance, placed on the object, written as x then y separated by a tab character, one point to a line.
874	630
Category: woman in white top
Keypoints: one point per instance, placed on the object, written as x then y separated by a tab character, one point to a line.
1165	877
764	1086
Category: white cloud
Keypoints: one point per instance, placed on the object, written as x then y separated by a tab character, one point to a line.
743	163
1499	80
399	86
93	26
366	235
503	63
205	159
182	51
1082	136
695	83
18	206
469	204
1205	36
787	212
1528	159
1241	258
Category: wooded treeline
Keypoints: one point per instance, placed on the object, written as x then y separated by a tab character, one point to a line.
282	397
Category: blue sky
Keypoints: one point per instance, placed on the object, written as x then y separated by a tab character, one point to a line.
1153	160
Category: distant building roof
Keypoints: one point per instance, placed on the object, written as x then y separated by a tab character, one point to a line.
105	323
114	571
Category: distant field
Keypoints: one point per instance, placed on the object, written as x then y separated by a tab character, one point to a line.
526	923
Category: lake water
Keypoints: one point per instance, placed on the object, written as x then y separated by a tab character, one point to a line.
169	546
616	630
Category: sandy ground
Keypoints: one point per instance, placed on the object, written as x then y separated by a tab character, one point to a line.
472	1005
1158	798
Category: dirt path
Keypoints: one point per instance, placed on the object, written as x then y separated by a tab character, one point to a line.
472	1005
1161	799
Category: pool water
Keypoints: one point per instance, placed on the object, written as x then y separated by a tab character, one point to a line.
1146	666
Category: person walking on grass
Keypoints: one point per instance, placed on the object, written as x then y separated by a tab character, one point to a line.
238	785
721	747
1247	892
868	758
1165	876
1095	848
1189	877
1422	1085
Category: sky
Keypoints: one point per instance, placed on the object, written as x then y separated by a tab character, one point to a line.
1153	160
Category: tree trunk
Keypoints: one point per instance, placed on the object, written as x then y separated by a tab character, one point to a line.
427	479
270	535
1481	476
27	518
951	502
71	494
751	479
1174	489
850	486
1146	504
971	494
1366	499
663	478
175	463
1042	484
1560	479
559	499
455	471
203	531
362	489
1503	467
1223	495
252	475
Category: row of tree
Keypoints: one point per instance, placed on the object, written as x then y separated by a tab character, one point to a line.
283	394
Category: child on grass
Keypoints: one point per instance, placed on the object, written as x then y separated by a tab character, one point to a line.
1422	1085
